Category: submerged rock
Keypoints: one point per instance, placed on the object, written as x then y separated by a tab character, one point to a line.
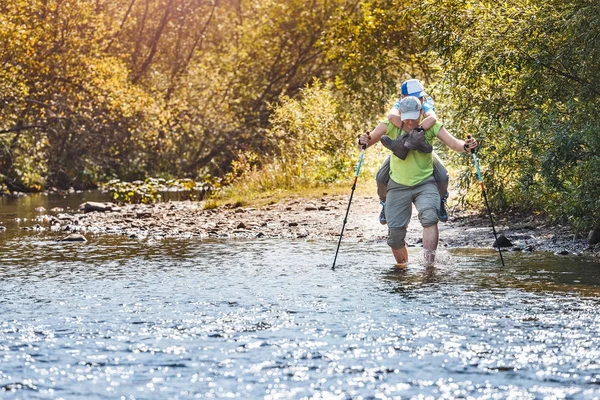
96	206
74	237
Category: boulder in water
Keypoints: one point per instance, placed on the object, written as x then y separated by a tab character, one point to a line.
502	241
593	237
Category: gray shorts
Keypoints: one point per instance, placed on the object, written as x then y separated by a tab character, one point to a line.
400	198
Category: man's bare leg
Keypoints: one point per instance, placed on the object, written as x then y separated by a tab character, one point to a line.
401	256
431	237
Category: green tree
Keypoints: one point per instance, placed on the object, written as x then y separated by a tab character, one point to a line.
69	113
521	76
375	45
257	52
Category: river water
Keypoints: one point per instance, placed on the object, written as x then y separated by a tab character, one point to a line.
269	319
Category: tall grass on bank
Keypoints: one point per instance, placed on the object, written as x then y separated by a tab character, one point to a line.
311	146
279	181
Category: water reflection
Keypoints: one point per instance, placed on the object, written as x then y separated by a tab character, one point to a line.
269	319
414	276
17	212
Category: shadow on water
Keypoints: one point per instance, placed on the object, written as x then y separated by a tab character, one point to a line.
537	272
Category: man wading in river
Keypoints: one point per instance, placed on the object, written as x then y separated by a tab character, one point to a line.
412	181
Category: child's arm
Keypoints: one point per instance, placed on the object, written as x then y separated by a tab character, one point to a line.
428	122
394	117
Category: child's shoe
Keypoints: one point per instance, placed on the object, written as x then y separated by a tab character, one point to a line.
396	146
443	216
416	141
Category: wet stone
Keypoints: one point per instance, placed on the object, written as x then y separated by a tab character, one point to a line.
593	237
502	241
74	237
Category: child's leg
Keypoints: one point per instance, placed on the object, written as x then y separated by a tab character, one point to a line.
440	173
382	178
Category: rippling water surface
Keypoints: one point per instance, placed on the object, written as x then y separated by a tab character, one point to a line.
180	319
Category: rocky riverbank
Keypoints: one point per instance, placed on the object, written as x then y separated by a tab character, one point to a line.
311	219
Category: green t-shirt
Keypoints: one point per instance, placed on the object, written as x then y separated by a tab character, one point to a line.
417	166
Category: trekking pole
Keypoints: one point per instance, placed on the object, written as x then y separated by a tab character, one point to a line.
360	160
487	206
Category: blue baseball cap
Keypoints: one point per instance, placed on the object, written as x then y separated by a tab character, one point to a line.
413	87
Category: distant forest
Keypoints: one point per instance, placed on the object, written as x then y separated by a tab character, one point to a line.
92	90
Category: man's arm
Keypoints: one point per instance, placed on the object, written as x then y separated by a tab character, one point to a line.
374	136
455	144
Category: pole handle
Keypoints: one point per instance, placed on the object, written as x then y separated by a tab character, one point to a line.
472	150
364	146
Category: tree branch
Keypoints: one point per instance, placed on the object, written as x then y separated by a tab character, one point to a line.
21	128
154	44
118	32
